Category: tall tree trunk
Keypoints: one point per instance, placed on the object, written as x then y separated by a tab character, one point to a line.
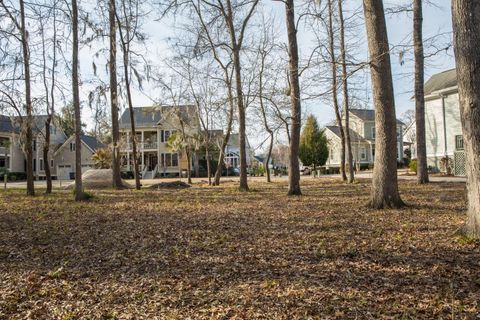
466	31
207	156
46	149
422	172
241	121
264	114
79	195
112	66
269	156
296	109
346	102
384	183
226	138
126	62
189	167
336	107
28	101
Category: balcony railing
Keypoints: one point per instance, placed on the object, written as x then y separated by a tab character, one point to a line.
143	145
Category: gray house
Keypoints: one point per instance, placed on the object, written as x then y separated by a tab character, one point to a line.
64	157
443	126
12	156
362	134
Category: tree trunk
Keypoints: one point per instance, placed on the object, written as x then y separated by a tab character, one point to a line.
336	107
79	195
422	173
296	109
269	156
132	115
46	148
384	183
346	102
218	173
466	31
189	167
207	155
112	66
264	114
28	102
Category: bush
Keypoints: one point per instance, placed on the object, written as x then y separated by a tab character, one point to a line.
413	166
127	175
85	195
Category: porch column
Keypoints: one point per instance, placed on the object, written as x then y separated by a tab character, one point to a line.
143	139
10	158
128	160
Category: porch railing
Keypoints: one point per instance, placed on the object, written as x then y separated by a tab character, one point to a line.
4	151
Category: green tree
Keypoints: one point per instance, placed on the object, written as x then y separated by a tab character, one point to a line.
313	150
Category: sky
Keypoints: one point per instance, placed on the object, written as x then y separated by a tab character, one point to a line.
437	23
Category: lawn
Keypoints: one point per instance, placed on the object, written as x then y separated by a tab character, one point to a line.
217	253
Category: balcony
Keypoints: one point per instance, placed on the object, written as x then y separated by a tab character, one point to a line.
148	145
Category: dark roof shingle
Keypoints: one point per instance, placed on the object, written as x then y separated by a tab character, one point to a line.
442	80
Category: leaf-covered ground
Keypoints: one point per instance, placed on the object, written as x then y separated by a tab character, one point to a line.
216	253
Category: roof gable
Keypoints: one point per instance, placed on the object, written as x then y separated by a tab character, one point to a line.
442	80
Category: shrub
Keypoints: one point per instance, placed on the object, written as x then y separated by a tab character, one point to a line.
413	166
85	194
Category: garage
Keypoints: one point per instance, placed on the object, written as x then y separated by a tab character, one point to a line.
63	171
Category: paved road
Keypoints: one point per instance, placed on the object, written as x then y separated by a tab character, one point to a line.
362	175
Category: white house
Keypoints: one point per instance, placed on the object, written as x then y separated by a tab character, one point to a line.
362	134
443	126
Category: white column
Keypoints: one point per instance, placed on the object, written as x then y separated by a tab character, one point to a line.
143	139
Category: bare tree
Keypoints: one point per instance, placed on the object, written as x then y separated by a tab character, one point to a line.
128	25
112	66
336	107
346	97
422	173
24	39
296	109
466	30
384	183
79	194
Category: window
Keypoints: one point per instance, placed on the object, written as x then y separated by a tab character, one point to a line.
373	132
41	164
363	154
167	134
459	142
175	160
169	160
53	130
51	163
3	163
34	144
34	165
72	146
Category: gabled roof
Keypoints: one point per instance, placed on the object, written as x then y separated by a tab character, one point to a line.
354	137
152	116
91	142
442	80
367	115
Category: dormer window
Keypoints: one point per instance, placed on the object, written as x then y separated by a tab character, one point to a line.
72	146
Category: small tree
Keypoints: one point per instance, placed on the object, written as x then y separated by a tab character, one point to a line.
102	158
313	150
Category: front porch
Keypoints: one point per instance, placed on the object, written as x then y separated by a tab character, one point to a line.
154	164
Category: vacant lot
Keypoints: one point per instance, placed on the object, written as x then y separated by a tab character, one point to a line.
216	253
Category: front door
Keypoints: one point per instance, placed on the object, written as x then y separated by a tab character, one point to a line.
151	161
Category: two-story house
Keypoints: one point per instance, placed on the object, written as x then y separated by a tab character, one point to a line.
154	125
61	153
362	134
443	125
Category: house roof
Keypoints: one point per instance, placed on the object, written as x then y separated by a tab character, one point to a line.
152	115
442	80
5	124
367	115
92	142
355	137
